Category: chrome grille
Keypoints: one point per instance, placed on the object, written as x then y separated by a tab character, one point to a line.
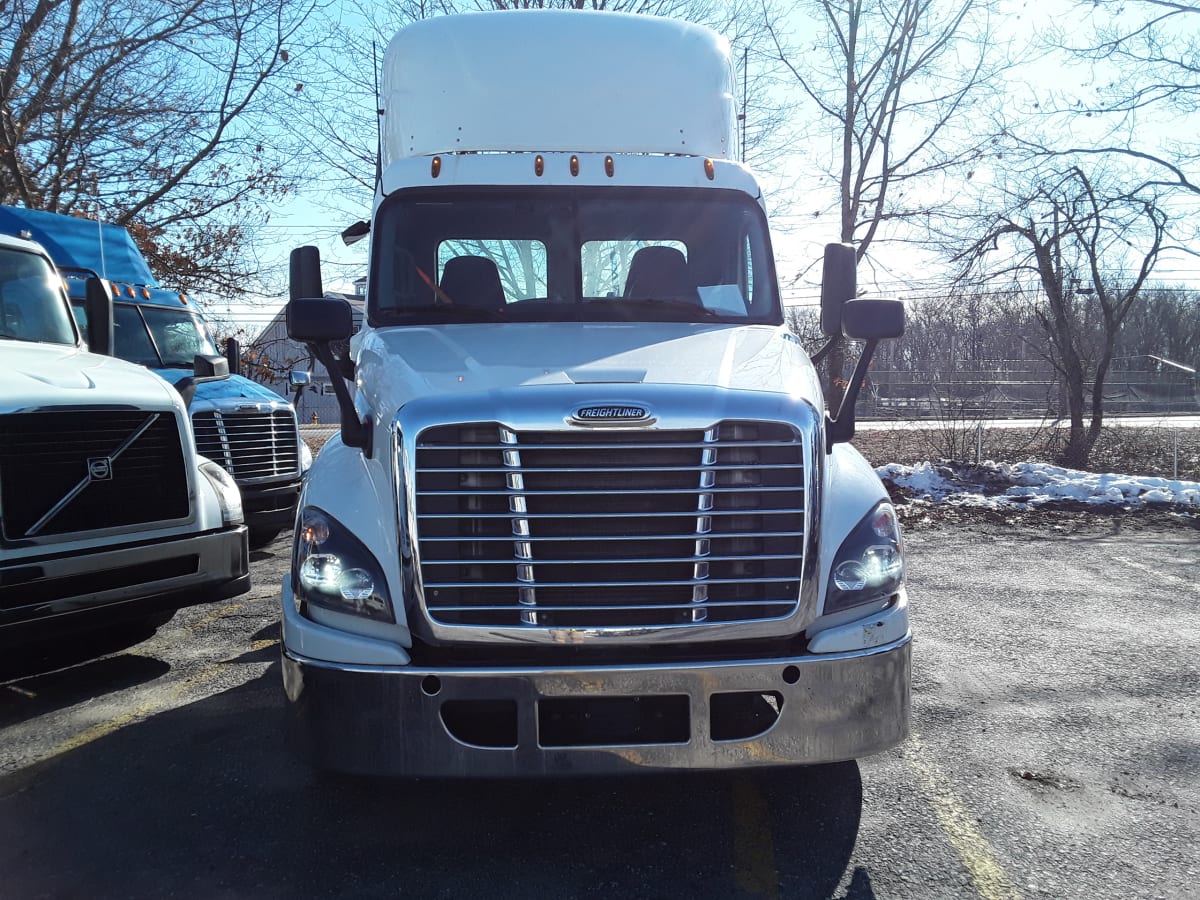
617	528
250	446
53	480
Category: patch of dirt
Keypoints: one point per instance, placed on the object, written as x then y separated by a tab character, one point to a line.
1062	516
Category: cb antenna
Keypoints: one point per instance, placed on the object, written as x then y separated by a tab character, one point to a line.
378	121
745	96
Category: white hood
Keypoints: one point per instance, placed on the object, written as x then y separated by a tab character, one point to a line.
35	376
398	364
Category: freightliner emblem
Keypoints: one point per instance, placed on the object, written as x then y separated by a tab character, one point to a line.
611	414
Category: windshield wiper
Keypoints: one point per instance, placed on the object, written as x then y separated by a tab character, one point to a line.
666	304
445	314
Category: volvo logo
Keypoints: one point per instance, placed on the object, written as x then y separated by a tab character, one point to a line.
611	414
99	468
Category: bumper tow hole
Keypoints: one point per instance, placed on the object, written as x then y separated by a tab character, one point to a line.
741	715
482	723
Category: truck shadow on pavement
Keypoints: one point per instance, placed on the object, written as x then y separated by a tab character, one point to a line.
36	693
204	800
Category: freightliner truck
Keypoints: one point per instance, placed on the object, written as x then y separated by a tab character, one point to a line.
248	429
587	511
107	514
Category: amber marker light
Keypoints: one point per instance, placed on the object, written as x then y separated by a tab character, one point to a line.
574	165
435	167
129	290
116	291
609	166
145	293
539	165
709	169
183	299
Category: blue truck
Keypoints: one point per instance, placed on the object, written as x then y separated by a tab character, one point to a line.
243	426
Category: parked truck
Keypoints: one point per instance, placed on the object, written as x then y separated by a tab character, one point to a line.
107	514
587	511
248	429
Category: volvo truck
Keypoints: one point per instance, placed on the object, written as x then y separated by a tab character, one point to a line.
587	511
108	516
248	429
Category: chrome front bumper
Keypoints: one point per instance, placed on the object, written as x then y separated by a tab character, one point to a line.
403	720
93	586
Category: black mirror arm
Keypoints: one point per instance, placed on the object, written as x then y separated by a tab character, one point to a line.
841	429
356	432
187	386
824	351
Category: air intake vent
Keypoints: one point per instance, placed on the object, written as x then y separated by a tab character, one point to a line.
68	471
250	446
610	528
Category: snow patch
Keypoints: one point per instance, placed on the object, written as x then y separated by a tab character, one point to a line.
1031	484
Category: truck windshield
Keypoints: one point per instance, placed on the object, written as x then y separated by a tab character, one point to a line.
160	337
32	304
572	254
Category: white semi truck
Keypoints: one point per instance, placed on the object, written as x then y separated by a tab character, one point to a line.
587	511
107	514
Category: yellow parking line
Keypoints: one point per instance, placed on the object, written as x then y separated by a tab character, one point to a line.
973	848
161	702
213	616
753	845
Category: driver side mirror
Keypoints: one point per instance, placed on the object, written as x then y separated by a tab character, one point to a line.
318	322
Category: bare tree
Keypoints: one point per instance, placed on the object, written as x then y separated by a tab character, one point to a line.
1147	56
902	86
163	117
1091	250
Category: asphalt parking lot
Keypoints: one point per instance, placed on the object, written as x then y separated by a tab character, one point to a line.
1056	753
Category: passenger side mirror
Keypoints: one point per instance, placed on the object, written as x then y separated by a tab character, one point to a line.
839	283
98	309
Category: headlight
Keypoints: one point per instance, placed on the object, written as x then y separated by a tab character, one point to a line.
305	456
332	569
228	495
870	563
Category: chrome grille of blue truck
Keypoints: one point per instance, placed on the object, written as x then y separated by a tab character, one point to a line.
610	528
250	446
